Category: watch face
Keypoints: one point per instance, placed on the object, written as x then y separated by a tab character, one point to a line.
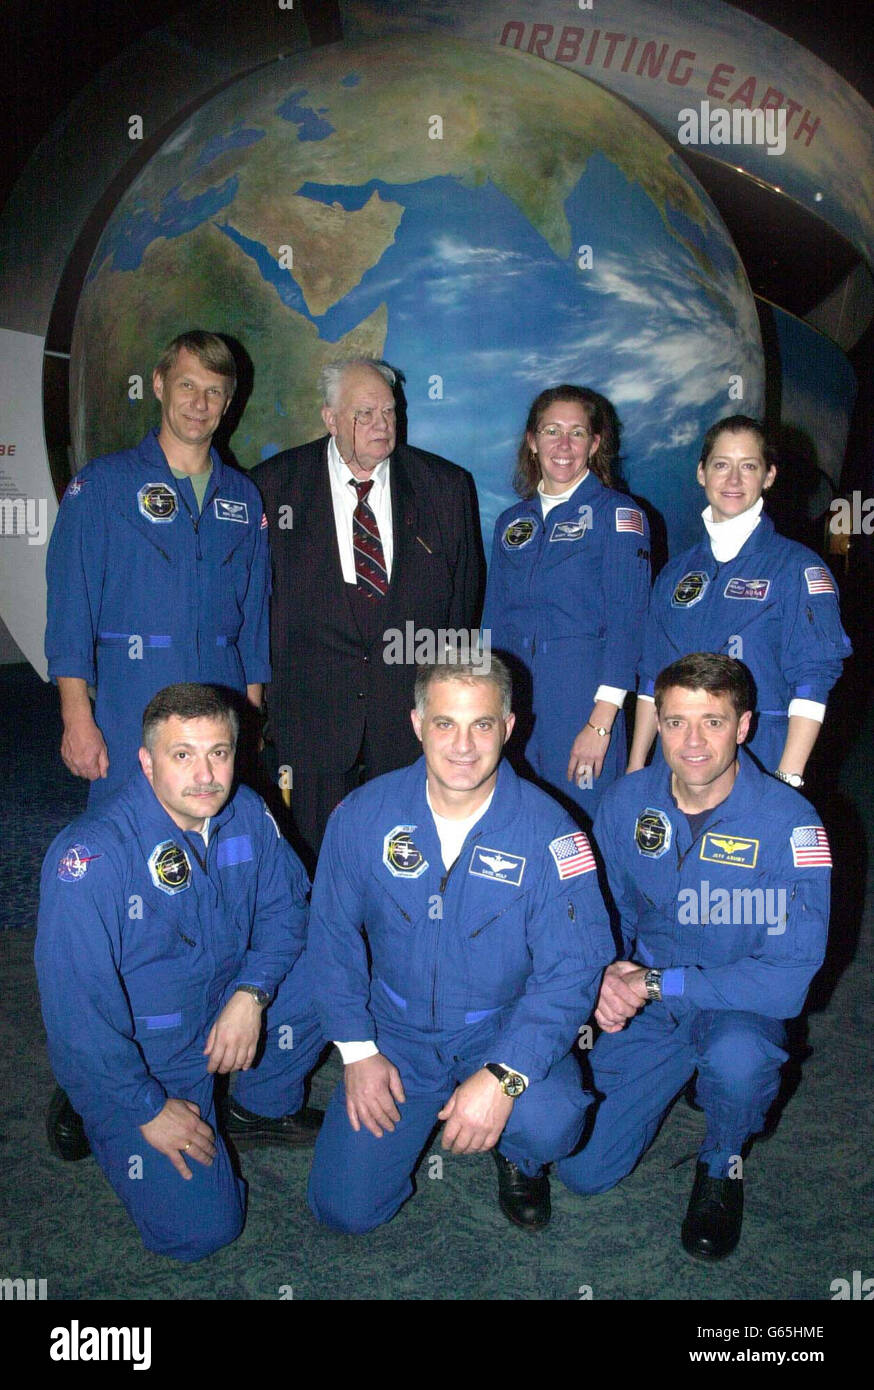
512	1084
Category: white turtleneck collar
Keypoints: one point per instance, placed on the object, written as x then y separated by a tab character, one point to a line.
727	537
550	500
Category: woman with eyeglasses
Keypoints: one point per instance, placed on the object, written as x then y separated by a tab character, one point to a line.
748	592
567	592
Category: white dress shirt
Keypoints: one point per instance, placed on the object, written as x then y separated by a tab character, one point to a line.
345	500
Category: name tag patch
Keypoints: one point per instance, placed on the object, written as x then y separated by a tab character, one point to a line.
231	511
400	855
747	588
729	849
495	864
569	530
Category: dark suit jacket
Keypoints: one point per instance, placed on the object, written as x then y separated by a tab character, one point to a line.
328	679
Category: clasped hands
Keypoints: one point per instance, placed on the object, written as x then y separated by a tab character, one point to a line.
623	992
475	1113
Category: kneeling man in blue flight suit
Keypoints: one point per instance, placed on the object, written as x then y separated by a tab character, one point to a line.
169	921
720	874
486	936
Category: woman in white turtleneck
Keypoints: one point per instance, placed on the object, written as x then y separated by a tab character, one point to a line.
752	594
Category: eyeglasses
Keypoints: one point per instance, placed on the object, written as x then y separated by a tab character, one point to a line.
577	434
367	417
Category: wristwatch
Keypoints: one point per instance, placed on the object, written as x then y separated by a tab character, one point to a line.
260	995
653	981
512	1084
599	729
792	779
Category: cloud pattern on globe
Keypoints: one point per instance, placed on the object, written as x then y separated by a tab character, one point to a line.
317	209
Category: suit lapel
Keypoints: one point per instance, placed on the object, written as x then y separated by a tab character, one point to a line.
404	520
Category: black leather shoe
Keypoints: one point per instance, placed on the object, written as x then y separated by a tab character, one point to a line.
714	1216
248	1130
65	1130
523	1200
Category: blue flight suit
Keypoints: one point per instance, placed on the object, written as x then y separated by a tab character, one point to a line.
774	607
736	964
567	597
496	960
144	591
144	934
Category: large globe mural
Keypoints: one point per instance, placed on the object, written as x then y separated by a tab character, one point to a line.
488	223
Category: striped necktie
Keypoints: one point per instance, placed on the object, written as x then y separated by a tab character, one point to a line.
370	572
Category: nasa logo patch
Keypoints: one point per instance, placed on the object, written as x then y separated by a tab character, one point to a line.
519	533
231	511
652	833
690	589
157	502
495	864
747	588
74	863
400	855
169	868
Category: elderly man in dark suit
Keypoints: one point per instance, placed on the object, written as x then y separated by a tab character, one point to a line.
368	537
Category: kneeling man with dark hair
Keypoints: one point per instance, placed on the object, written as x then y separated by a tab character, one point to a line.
720	874
171	927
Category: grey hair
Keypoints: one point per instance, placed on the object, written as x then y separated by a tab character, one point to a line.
496	672
332	373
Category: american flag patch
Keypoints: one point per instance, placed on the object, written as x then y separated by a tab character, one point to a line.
810	847
629	519
263	521
572	854
819	581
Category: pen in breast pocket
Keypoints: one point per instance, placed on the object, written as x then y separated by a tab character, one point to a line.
424	546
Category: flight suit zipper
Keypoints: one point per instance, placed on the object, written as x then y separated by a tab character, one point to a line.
442	889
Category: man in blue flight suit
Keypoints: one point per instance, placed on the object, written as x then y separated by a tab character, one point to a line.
168	922
720	875
486	937
157	571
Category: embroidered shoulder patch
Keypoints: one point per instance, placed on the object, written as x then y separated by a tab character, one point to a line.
819	581
629	519
810	847
572	854
74	862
